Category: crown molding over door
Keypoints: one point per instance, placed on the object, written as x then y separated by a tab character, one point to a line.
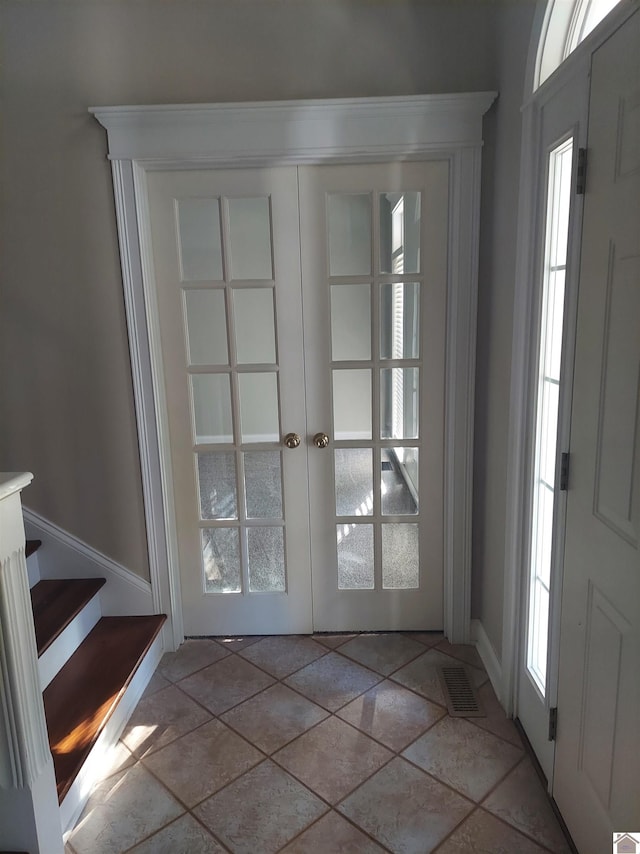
443	127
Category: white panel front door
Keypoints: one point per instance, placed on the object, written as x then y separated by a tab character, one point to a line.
597	774
357	506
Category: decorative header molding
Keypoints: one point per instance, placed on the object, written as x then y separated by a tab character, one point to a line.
294	131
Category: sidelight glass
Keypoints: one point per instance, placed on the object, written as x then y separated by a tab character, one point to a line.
400	321
206	327
352	404
349	225
199	239
350	322
400	232
211	395
221	560
259	417
217	485
250	238
263	484
254	325
355	557
266	560
354	481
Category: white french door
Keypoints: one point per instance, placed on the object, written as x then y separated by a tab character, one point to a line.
310	463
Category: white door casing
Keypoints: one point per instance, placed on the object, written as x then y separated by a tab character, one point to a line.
141	139
597	776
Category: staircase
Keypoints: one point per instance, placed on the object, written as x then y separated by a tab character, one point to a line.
93	670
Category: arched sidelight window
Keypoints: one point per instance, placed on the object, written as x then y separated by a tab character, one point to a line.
566	24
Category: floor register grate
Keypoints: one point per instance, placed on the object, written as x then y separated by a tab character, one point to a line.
460	695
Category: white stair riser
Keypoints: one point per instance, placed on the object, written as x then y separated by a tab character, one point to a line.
93	769
56	656
33	570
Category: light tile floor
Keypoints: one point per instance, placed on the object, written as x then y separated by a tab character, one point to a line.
314	746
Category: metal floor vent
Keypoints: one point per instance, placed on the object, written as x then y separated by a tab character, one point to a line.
459	693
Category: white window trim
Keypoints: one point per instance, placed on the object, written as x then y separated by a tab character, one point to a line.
143	138
524	348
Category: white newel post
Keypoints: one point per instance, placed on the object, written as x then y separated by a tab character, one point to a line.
29	813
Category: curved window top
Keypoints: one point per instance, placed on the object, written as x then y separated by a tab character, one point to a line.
566	24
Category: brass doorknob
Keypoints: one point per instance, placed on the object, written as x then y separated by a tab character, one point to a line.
321	440
291	440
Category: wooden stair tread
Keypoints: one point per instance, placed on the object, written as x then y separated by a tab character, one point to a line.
31	547
56	603
81	698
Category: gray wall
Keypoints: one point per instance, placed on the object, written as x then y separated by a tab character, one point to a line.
65	385
501	165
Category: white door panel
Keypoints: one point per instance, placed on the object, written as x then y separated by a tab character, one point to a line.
597	776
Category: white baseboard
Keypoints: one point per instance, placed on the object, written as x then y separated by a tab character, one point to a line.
93	769
64	556
488	655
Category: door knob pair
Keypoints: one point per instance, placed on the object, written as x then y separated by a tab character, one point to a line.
292	440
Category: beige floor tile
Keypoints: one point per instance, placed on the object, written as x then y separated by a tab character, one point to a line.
198	764
391	714
332	681
281	656
183	836
496	721
156	683
521	801
382	653
461	651
426	638
332	758
160	719
332	834
117	759
332	641
122	811
225	684
405	809
234	644
463	756
274	717
261	811
193	655
482	832
420	675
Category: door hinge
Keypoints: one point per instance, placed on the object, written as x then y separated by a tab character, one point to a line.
564	472
581	172
553	723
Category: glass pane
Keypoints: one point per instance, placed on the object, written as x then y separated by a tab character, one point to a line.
553	322
263	484
349	223
355	557
548	433
221	560
250	238
350	322
399	481
259	417
399	412
206	327
400	557
255	331
354	481
200	244
266	560
352	404
400	321
400	233
211	396
217	485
